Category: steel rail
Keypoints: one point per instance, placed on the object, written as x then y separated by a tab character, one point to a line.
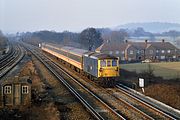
140	100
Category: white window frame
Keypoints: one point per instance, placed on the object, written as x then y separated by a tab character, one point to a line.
123	58
162	51
7	89
25	89
162	57
157	51
131	52
138	51
117	52
150	51
168	51
122	52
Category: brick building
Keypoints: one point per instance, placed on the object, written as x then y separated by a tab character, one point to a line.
138	51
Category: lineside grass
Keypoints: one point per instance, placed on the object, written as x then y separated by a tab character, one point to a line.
167	70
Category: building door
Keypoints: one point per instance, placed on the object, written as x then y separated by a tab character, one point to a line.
17	95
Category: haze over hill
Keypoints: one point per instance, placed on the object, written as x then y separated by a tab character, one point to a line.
154	27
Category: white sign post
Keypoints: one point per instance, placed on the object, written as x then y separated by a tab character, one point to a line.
141	84
39	45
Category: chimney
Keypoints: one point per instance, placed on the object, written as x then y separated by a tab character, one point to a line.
146	41
163	40
126	41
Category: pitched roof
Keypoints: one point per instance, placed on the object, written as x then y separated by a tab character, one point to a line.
163	45
138	45
112	47
100	55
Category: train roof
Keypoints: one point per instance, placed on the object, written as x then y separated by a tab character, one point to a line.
99	55
73	50
81	52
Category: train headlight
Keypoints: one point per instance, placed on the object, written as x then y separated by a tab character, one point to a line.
101	69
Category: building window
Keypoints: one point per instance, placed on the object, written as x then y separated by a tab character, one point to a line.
150	51
168	51
174	56
7	89
131	52
142	51
162	57
122	52
162	51
138	51
110	52
24	89
117	52
123	58
157	51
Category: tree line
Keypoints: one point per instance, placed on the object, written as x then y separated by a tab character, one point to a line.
90	38
3	41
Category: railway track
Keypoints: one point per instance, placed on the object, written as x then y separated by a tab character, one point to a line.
121	107
124	105
10	60
99	109
143	105
7	55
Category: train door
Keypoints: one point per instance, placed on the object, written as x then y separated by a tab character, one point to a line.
7	95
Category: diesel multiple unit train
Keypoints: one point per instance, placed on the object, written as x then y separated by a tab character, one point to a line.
102	68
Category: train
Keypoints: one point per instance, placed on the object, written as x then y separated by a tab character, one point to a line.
99	67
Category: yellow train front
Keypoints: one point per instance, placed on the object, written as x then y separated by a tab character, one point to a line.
103	67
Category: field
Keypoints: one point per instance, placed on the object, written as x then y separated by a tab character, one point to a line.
167	70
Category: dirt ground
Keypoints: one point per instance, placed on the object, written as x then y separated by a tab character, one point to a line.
166	91
50	99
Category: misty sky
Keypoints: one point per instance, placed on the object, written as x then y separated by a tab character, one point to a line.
76	15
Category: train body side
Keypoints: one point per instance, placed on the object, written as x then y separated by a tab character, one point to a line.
69	54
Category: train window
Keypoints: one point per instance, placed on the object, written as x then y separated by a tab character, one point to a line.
108	63
103	63
114	62
24	89
7	89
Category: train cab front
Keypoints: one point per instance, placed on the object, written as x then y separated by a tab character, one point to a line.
108	67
